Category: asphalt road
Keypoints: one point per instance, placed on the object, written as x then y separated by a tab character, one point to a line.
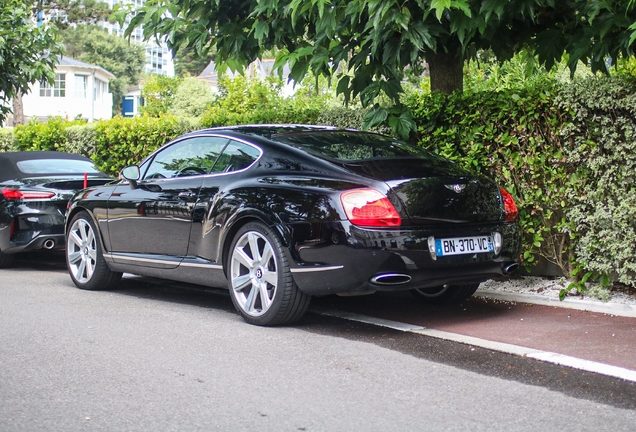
161	357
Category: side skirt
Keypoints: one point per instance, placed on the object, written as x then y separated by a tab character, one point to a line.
183	269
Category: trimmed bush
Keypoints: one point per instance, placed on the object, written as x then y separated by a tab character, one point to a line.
601	137
81	139
566	151
348	118
51	135
124	141
7	140
510	135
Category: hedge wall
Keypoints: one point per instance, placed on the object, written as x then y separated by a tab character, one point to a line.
566	151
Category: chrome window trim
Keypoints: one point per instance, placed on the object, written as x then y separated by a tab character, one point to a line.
229	138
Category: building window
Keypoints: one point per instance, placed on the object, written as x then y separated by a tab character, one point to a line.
58	89
80	86
100	90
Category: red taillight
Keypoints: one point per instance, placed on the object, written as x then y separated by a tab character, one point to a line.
13	194
510	208
368	207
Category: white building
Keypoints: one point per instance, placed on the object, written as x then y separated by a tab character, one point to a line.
80	90
158	57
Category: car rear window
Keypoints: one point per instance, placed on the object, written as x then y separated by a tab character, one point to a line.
56	166
350	146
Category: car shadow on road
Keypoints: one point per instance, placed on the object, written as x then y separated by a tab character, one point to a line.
403	307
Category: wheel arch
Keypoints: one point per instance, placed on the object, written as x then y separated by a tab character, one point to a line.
239	221
72	213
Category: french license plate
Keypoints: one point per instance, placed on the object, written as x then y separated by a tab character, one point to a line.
463	245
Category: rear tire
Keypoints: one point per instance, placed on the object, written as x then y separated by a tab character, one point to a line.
261	285
5	260
445	294
85	257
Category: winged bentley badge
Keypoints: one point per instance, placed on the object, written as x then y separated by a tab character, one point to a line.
456	187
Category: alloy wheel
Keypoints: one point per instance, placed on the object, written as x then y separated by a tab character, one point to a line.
254	273
81	250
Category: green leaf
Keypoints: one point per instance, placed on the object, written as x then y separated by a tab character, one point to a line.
605	280
375	117
439	6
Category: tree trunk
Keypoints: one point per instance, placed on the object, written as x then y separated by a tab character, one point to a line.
18	110
446	71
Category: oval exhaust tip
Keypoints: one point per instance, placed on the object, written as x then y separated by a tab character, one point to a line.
510	268
49	244
391	279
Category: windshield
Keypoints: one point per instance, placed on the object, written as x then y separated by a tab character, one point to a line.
57	166
353	146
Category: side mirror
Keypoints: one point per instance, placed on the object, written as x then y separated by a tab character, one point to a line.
131	174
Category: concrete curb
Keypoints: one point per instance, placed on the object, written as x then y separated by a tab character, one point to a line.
618	309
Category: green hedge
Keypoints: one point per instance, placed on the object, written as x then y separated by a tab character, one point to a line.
51	135
567	154
7	140
601	146
124	141
111	144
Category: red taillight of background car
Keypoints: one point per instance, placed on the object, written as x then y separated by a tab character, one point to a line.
510	208
368	207
13	194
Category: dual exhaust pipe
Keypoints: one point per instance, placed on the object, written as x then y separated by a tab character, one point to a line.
401	278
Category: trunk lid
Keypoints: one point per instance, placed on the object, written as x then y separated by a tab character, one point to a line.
435	190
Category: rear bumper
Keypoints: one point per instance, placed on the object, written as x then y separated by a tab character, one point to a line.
41	240
351	259
33	228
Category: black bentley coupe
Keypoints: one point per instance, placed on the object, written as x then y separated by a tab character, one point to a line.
280	213
35	187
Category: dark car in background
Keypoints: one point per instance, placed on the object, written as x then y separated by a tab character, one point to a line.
281	213
34	191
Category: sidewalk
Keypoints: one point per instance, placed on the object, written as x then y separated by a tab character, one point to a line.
584	334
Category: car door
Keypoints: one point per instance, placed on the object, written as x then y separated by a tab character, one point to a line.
150	224
216	202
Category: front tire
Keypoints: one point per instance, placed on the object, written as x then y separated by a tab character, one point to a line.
261	285
85	257
445	294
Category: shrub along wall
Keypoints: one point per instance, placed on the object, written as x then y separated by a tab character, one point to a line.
600	138
7	140
565	151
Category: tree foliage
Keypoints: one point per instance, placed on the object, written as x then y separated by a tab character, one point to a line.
27	53
367	44
188	63
191	98
158	92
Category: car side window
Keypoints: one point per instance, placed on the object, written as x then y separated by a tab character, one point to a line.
192	156
235	157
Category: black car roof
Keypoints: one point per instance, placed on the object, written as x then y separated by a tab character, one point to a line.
8	160
268	130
